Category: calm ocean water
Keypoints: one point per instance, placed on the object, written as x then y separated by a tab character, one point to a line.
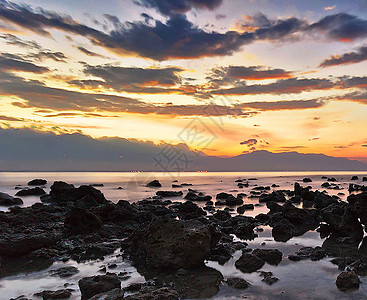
297	280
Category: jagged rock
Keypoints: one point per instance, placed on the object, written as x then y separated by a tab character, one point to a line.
188	210
194	197
154	183
347	280
316	253
172	244
249	263
90	286
268	277
275	196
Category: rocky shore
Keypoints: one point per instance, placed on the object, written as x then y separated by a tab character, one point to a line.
169	238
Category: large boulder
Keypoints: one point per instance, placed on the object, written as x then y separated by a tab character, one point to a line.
249	263
271	256
81	221
7	200
172	244
37	191
358	205
347	280
62	192
90	286
37	181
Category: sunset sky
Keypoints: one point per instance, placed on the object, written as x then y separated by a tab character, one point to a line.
249	74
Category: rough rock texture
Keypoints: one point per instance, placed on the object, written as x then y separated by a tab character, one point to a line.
249	263
90	286
115	294
59	294
237	283
347	280
7	200
150	293
80	221
271	256
172	244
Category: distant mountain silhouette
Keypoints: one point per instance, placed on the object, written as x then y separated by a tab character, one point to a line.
28	150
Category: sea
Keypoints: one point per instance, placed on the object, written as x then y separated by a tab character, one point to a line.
297	280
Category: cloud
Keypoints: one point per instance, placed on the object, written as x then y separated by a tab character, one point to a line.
282	105
220	16
11	39
135	80
342	27
10	62
10	119
284	86
89	53
249	142
47	54
330	7
171	7
346	58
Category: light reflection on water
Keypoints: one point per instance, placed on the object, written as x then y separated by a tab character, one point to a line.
297	280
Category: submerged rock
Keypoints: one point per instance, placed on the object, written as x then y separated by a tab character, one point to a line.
59	294
166	194
64	272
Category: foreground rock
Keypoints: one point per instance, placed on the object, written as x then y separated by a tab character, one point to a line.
59	294
249	263
115	294
90	286
172	244
271	256
347	281
147	293
7	200
37	191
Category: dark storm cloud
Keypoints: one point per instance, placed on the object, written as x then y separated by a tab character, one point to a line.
282	105
284	86
171	7
10	62
11	39
226	75
346	58
87	52
343	27
135	80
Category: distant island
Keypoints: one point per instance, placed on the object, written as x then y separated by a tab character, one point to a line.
29	150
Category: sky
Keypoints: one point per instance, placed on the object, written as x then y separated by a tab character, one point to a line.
225	77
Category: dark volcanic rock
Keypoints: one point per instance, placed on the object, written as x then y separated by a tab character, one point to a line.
37	191
237	283
81	221
194	197
64	272
7	200
243	208
172	244
59	294
150	293
276	196
358	204
165	194
354	178
347	280
37	182
316	253
188	210
271	256
62	193
154	183
90	286
284	230
249	263
307	179
115	294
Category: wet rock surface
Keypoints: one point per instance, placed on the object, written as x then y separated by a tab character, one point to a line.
169	241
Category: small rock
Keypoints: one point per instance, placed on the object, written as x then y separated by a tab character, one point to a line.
64	272
249	263
90	286
37	182
347	280
237	283
154	183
